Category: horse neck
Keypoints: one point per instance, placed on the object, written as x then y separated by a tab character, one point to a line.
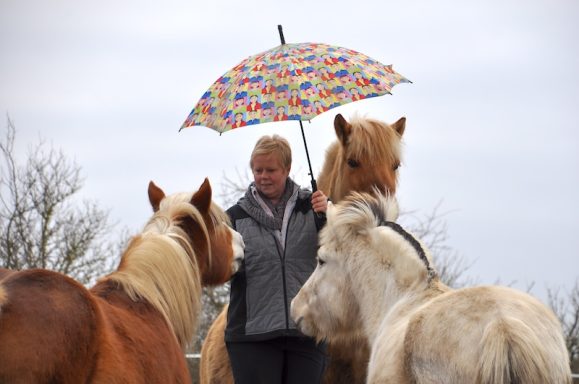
375	299
381	296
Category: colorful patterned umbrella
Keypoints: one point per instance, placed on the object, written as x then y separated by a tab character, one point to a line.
291	82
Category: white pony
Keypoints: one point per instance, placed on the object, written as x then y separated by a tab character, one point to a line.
374	276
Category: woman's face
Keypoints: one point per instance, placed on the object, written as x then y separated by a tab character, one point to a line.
269	175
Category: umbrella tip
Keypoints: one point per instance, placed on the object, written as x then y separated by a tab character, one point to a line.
279	28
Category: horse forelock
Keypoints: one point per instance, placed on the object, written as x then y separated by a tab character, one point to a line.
373	139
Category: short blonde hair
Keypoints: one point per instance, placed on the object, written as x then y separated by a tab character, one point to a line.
267	145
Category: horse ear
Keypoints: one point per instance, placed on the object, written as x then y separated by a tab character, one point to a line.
400	126
156	194
202	198
343	129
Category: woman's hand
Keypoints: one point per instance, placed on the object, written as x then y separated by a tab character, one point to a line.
319	201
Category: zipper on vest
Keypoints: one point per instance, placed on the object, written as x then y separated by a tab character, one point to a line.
282	259
285	294
281	254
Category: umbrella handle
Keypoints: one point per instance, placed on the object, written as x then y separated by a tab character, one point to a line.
314	184
319	215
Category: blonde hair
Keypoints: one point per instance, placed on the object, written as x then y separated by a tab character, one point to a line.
267	145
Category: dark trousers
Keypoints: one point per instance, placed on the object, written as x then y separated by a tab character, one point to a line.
284	360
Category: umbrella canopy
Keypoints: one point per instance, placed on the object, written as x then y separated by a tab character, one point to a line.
291	82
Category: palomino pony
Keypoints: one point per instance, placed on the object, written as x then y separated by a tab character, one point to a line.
366	155
374	275
133	325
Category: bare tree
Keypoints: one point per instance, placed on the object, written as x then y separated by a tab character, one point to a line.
41	225
233	189
566	307
431	228
213	299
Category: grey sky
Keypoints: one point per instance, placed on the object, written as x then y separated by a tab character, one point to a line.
492	127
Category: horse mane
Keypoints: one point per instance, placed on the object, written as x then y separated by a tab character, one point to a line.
160	265
373	139
360	213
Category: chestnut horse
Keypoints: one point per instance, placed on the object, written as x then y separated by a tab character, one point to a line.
366	155
375	276
133	325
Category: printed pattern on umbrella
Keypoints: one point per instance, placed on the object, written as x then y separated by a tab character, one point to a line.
291	82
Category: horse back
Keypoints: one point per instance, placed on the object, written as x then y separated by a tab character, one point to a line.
135	341
495	334
47	328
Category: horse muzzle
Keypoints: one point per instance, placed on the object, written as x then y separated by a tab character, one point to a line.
238	251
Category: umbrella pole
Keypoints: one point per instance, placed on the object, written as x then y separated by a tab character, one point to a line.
313	181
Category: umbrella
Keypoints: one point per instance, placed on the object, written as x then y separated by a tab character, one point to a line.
291	82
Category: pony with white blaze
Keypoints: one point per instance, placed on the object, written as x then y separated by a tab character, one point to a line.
375	276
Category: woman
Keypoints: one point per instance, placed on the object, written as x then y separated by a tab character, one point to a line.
280	230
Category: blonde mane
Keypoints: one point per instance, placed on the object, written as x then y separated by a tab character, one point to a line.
160	266
358	212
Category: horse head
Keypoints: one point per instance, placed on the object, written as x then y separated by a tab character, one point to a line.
220	252
360	243
365	156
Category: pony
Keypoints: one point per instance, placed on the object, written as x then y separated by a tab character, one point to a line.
364	157
132	326
374	275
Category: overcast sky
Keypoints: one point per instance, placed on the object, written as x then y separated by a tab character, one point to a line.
492	120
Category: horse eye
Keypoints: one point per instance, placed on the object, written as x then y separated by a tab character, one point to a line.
396	166
353	163
321	262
